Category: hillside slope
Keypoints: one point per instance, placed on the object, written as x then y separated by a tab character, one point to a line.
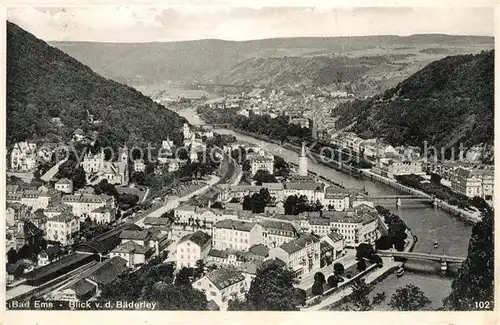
448	102
45	83
195	61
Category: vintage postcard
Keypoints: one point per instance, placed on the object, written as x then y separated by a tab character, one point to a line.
222	157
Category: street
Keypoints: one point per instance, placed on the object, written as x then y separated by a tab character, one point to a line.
173	203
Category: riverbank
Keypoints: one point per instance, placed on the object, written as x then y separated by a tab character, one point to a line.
371	277
464	215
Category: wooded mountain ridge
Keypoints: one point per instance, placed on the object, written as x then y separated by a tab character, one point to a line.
46	85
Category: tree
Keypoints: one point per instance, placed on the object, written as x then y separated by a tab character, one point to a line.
361	265
409	298
435	178
12	256
273	289
475	279
183	277
263	176
317	288
332	281
103	187
319	277
358	300
338	269
216	205
199	268
364	250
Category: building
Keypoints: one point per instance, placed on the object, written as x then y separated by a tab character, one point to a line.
64	185
135	254
98	168
63	228
28	234
236	234
139	165
302	254
15	212
336	241
474	182
320	226
104	214
391	167
277	232
303	161
356	227
336	198
222	285
34	199
261	161
186	131
313	191
56	209
49	255
82	205
191	248
23	156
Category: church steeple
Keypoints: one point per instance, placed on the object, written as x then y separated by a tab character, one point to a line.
303	161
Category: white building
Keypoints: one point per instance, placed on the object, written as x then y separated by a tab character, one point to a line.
391	167
63	228
356	227
474	182
64	185
302	254
236	234
83	204
139	165
135	254
313	191
97	168
261	161
336	199
23	156
192	248
222	285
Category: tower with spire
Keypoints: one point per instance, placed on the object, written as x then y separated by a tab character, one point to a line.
303	161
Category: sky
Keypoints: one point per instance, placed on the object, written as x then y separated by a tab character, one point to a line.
148	24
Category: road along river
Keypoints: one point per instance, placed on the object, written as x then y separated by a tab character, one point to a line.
425	221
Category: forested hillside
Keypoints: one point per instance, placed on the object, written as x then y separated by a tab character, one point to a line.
44	83
448	102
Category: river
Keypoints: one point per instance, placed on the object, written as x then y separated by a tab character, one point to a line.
425	221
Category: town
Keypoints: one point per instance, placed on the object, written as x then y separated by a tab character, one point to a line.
335	173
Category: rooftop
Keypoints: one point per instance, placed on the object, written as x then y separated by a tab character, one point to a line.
134	234
299	243
223	278
235	224
304	186
131	247
199	238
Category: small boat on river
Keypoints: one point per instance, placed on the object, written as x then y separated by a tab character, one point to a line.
436	244
400	271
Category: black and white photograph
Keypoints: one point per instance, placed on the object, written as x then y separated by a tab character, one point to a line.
249	158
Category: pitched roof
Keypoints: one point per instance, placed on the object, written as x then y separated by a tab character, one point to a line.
250	267
134	234
335	236
235	224
260	250
63	217
223	278
305	186
319	221
218	253
83	287
200	238
132	247
65	181
109	270
299	243
278	225
156	221
324	247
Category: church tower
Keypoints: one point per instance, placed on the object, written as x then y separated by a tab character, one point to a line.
303	161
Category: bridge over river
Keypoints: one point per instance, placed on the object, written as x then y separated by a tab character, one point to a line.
422	256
